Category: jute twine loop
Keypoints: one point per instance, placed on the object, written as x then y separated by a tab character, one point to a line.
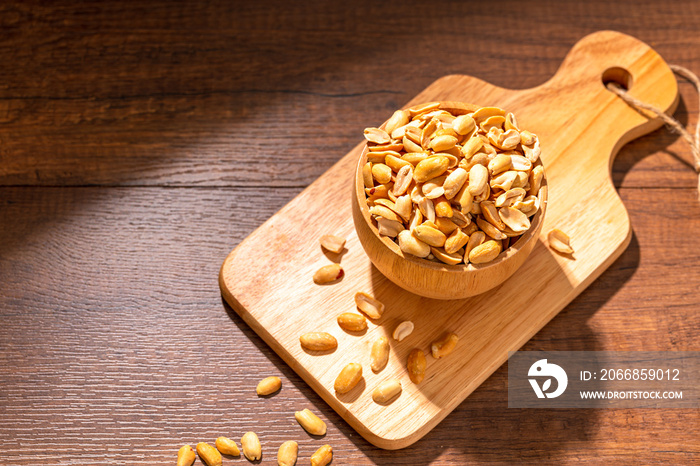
673	124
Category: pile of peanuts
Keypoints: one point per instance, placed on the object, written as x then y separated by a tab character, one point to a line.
452	185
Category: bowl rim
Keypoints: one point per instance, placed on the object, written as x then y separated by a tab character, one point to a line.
360	198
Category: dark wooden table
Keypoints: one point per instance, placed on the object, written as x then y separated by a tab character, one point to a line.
139	143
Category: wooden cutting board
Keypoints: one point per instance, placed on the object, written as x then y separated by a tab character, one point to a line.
581	126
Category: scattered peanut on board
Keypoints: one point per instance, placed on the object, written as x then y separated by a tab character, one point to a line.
348	378
318	341
386	391
328	274
332	243
559	241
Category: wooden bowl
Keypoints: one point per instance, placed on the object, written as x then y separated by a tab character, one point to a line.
432	279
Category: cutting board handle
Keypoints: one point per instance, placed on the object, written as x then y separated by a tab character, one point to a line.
610	56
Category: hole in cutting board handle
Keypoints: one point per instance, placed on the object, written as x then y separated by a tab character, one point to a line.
618	75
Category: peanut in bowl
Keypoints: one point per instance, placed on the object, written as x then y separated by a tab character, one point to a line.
449	198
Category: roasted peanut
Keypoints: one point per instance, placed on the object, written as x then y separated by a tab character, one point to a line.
471	147
463	124
380	354
475	240
322	456
287	453
504	181
379	210
445	225
389	228
511	123
532	151
386	391
529	206
394	161
416	366
352	322
433	189
208	454
490	229
403	207
499	164
494	122
251	446
403	330
488	210
404	177
446	257
186	456
456	241
409	145
514	219
428	132
464	199
367	175
333	243
348	378
328	273
510	197
520	163
430	168
442	207
227	446
429	235
443	143
527	138
398	119
369	305
268	386
377	136
444	346
422	108
381	173
478	179
318	341
559	241
427	208
536	177
310	422
487	112
454	182
409	244
485	252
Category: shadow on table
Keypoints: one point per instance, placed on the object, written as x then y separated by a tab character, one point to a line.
656	141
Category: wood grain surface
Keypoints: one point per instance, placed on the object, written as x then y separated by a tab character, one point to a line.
138	143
